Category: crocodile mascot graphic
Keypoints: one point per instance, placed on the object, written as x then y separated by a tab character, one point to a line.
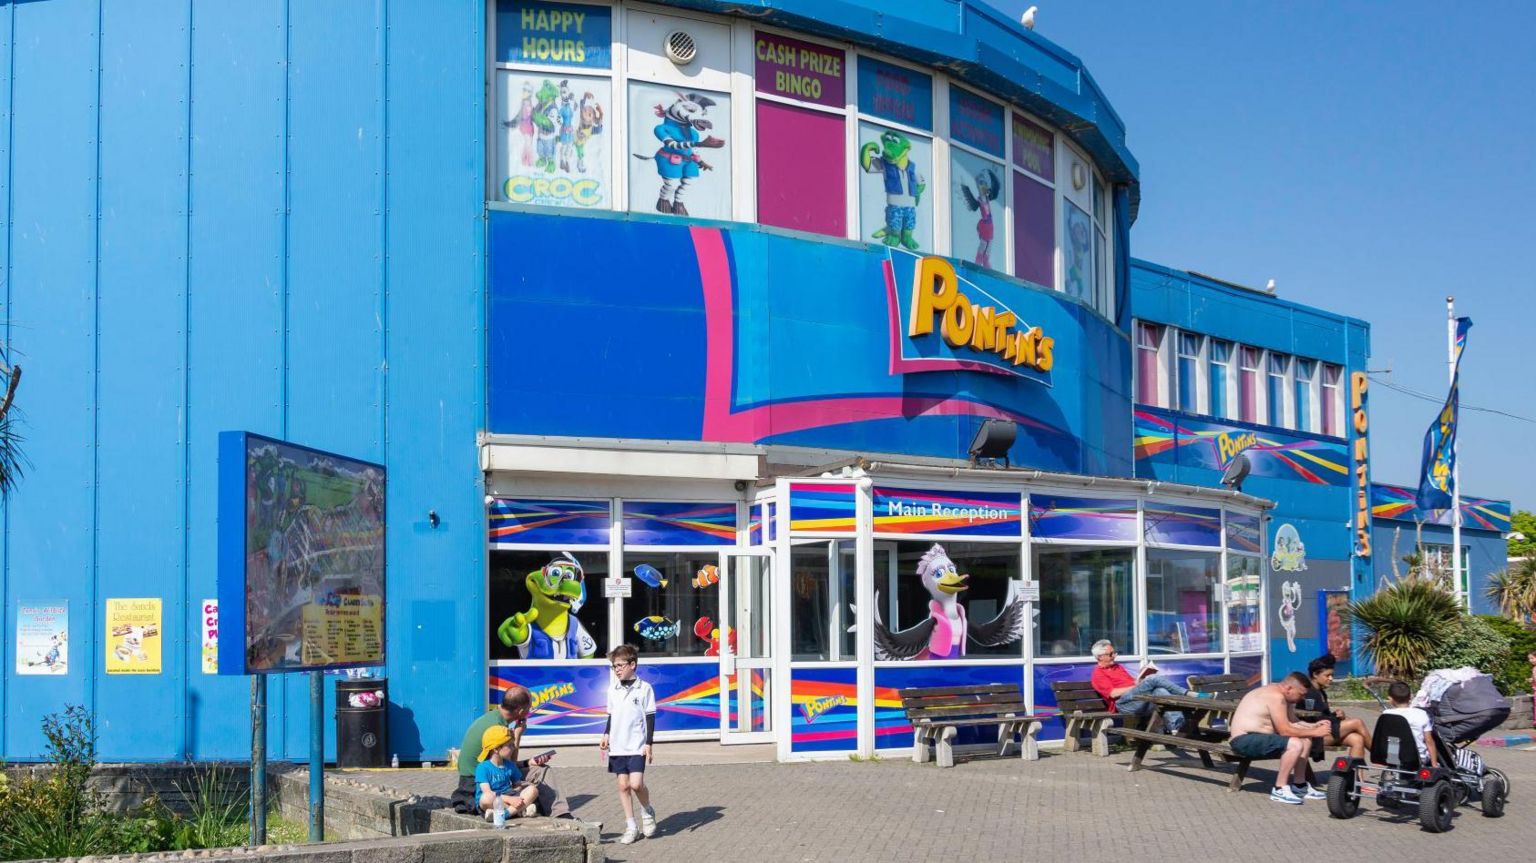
549	628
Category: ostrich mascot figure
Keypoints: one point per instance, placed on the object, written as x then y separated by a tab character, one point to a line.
944	632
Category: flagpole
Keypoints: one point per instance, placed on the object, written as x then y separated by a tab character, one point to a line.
1450	330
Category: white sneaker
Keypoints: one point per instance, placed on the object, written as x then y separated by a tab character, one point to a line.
1284	794
1314	793
630	835
647	823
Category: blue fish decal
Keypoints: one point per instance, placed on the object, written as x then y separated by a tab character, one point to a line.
656	628
650	575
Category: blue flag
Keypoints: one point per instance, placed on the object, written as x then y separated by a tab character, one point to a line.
1439	468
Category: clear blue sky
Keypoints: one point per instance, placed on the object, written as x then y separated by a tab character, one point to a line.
1371	158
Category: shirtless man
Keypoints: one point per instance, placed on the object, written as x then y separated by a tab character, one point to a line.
1265	726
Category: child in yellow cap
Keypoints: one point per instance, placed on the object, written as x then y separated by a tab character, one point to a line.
497	776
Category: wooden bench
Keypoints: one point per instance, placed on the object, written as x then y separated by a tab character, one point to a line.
1226	687
938	712
1205	746
1083	711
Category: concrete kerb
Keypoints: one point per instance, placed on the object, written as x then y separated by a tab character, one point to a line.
462	846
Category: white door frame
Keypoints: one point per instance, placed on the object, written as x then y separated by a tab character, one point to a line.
730	664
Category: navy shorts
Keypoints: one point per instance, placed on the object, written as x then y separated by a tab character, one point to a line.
626	764
1257	744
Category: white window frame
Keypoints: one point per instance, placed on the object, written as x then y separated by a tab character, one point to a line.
1230	389
938	176
1201	373
1260	383
1284	414
1335	398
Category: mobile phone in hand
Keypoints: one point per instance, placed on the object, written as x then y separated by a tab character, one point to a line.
545	754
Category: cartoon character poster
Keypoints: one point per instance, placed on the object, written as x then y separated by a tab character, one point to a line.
895	198
134	636
553	140
1078	251
1290	554
42	639
548	605
946	629
680	151
976	209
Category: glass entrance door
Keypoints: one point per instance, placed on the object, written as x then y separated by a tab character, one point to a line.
747	684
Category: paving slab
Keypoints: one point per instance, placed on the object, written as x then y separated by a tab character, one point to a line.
1066	806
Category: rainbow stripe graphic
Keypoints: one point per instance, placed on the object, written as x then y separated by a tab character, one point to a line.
670	523
572	699
1182	525
821	508
824	710
1057	517
1165	436
553	522
908	511
1398	502
1243	532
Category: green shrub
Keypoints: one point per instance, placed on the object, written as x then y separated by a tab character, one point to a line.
1513	677
1404	624
218	818
1472	642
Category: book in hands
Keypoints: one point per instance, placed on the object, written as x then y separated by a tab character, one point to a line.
1146	671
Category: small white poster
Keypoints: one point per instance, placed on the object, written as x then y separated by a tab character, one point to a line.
210	626
616	586
42	639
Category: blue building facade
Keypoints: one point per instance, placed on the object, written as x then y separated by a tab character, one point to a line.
694	308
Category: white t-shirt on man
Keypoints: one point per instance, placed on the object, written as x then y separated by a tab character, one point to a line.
1418	720
627	709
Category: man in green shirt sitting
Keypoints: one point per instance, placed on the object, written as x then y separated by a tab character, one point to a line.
516	702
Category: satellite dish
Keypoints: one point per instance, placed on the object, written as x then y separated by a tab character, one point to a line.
1237	471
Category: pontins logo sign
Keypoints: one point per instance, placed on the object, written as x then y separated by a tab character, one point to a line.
942	322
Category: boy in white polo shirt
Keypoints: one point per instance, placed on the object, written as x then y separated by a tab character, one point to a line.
627	738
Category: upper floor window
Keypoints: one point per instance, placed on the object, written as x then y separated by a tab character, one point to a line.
1279	375
895	155
1306	395
1332	402
1034	197
978	197
1189	372
802	139
1149	344
1221	378
1251	408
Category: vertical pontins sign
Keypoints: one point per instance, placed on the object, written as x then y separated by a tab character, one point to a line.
1358	386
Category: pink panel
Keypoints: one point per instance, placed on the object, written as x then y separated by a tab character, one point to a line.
1034	231
801	171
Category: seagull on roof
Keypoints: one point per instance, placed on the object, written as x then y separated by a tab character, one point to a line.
1028	19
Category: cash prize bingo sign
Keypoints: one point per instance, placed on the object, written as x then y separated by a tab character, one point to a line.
301	579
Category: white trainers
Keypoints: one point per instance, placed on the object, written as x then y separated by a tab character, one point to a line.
631	834
1309	792
647	823
1284	794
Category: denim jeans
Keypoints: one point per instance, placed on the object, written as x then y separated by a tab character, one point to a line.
1157	684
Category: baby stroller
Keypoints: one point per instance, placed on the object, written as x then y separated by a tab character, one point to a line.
1403	779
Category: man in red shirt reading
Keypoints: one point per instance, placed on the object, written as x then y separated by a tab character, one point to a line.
1122	692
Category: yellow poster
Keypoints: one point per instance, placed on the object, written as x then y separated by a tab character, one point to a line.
348	629
133	636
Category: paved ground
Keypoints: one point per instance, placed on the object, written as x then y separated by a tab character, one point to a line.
1063	807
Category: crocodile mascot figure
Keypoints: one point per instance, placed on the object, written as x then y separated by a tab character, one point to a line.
549	628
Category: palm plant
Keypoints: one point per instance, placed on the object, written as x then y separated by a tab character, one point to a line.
1404	624
1514	590
11	457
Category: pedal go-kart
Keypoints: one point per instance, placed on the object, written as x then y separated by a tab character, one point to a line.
1402	780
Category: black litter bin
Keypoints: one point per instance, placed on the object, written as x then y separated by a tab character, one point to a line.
362	734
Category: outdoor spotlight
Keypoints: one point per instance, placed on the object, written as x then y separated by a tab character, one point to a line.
1237	471
993	440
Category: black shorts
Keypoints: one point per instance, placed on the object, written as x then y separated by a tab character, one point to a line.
1256	744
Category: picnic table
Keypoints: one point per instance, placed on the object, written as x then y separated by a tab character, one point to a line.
1206	731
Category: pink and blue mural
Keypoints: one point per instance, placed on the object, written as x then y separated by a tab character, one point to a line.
1085	518
1397	502
950	513
1167	437
822	508
1177	524
572	698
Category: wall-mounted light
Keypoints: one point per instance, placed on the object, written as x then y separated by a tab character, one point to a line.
433	519
993	440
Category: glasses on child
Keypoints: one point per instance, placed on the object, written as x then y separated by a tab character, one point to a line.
623	663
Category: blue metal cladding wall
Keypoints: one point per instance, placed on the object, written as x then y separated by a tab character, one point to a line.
1309	477
262	216
1487	553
